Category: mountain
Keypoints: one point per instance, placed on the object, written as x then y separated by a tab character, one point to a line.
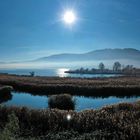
105	54
91	59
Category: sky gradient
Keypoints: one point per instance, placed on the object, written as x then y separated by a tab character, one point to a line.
32	28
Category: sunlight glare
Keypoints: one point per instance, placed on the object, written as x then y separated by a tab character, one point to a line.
68	117
69	17
61	72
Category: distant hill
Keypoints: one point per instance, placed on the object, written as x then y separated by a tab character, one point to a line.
105	54
91	59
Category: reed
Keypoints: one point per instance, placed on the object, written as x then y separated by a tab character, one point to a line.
119	121
120	86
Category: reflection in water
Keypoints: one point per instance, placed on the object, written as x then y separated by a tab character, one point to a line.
4	97
61	72
82	103
26	99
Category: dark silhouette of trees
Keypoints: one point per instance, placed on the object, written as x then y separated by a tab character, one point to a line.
117	69
32	73
101	67
117	66
129	69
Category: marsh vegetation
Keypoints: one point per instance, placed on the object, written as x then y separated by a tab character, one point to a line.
111	122
119	121
119	86
62	101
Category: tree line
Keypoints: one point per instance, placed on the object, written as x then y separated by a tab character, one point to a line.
117	68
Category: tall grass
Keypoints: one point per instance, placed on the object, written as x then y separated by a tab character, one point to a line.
11	129
75	86
121	121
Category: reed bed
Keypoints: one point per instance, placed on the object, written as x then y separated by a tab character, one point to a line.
121	121
118	86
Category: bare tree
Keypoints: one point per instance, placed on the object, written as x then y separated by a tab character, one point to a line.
128	69
117	66
101	66
81	69
32	73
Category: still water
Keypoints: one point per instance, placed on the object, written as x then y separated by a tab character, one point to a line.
60	72
82	103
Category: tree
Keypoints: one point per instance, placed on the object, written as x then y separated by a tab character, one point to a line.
101	66
128	69
117	66
32	73
81	69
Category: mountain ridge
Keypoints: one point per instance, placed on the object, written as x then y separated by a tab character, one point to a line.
105	54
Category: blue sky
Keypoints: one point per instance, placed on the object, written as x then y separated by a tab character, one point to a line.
32	28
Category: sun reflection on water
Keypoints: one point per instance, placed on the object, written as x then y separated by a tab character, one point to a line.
61	72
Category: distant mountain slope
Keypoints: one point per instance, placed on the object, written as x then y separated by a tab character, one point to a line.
105	54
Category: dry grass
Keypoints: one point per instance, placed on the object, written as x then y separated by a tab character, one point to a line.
121	121
98	86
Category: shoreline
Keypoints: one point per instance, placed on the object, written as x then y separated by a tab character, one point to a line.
92	73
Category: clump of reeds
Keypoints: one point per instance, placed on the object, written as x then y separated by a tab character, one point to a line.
5	93
62	101
5	89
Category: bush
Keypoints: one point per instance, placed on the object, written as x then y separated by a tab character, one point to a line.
62	101
5	89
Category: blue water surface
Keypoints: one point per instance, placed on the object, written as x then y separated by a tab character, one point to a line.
82	103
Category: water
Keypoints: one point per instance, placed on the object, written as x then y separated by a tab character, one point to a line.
60	72
82	103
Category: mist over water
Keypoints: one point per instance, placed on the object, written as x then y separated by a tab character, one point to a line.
68	64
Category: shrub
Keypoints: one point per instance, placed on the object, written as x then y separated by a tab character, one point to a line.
62	101
5	89
4	97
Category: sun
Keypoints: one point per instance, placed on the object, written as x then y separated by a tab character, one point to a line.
69	17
